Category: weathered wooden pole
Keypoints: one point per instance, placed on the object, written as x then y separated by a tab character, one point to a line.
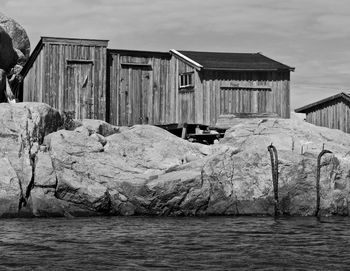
184	131
318	176
274	168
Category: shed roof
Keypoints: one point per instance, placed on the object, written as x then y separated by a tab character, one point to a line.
234	61
312	106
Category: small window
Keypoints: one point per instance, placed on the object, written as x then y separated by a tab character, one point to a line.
186	80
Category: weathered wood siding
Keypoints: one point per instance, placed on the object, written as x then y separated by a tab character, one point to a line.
69	75
139	88
127	87
229	92
244	100
186	96
218	93
334	114
34	80
144	88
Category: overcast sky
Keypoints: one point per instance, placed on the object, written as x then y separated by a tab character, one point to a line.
311	35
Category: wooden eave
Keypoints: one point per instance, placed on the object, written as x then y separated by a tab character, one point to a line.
75	41
33	56
292	69
139	53
186	59
239	70
310	107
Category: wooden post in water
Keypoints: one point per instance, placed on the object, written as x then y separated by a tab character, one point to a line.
274	167
318	176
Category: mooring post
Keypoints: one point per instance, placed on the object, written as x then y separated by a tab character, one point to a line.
274	168
318	176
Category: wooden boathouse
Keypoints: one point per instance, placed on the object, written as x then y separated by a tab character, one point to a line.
127	87
242	84
68	74
332	112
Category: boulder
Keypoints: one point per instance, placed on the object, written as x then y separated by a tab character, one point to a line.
8	55
144	170
298	144
10	191
23	127
95	175
150	147
14	53
101	127
19	37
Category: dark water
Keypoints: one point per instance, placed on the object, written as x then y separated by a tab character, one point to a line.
139	243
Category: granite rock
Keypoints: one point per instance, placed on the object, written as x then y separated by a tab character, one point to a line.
144	170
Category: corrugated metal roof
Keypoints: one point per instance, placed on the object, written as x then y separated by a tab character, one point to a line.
312	106
235	61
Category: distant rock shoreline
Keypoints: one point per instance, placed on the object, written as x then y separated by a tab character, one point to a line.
99	169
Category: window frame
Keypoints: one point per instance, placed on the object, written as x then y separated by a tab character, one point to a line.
186	80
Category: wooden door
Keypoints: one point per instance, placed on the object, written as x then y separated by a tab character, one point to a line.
187	106
80	98
133	95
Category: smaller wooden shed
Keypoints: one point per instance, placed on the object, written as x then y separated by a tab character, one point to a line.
332	112
138	87
68	74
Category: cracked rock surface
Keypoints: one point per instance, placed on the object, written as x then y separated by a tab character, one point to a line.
23	127
100	169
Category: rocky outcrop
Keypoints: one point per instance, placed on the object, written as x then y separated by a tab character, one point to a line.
100	169
14	53
298	144
8	56
20	40
23	127
107	178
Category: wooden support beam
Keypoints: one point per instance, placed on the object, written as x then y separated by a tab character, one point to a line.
184	131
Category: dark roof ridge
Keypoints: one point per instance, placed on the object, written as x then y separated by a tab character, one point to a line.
195	51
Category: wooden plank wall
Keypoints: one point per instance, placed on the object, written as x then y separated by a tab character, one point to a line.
276	101
239	100
334	115
34	81
46	79
162	101
155	100
157	97
186	97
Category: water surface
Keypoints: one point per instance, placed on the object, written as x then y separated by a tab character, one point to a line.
152	243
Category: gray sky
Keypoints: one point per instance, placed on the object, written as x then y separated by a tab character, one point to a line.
311	35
